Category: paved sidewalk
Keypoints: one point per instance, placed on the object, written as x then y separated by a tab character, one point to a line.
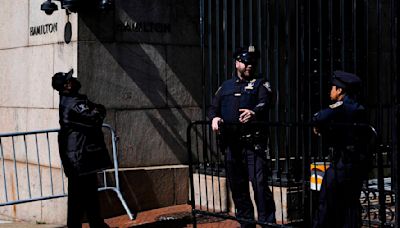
28	225
169	217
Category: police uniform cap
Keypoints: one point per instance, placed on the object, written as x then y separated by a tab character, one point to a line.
247	55
59	79
345	80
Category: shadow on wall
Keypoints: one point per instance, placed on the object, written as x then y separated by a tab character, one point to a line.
158	73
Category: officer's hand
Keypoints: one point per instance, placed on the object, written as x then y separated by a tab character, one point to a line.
215	123
315	130
246	115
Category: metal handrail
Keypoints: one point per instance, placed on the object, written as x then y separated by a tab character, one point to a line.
31	175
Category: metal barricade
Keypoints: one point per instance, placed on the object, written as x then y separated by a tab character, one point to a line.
296	159
29	163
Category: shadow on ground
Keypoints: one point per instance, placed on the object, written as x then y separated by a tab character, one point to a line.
178	220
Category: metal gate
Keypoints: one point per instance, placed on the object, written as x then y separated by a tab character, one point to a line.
301	43
295	175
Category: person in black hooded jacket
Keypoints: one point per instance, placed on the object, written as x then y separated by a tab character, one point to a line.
82	149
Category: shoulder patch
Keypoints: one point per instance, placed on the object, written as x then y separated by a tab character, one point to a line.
267	85
82	107
337	104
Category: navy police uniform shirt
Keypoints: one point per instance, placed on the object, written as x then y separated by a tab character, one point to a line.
342	112
235	94
346	111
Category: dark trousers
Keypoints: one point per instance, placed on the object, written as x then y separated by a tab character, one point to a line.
244	164
339	202
82	197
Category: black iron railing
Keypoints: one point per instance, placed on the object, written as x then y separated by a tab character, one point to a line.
295	176
301	43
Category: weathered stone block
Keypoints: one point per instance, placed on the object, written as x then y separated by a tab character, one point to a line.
148	188
22	79
22	120
41	119
23	182
14	120
185	16
183	76
154	137
181	184
65	58
96	25
210	193
126	76
54	211
14	23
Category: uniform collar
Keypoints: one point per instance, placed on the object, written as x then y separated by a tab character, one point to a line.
238	79
348	99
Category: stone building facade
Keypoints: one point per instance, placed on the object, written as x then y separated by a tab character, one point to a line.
142	60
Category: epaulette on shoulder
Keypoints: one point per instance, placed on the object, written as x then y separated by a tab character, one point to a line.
267	85
337	104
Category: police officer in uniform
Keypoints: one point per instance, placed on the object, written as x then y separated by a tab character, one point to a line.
82	149
239	101
339	202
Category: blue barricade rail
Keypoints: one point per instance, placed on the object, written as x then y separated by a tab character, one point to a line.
28	161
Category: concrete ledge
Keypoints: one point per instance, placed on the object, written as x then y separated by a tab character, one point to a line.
146	188
212	194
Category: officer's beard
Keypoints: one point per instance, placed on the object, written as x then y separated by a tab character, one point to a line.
246	73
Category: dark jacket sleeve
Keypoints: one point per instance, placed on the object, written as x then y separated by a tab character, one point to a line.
264	101
323	116
215	108
86	114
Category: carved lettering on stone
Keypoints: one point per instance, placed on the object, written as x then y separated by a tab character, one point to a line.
43	29
133	26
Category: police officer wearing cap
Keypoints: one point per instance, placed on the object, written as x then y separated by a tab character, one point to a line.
339	202
82	149
239	101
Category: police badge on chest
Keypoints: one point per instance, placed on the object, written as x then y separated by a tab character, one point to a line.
250	85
